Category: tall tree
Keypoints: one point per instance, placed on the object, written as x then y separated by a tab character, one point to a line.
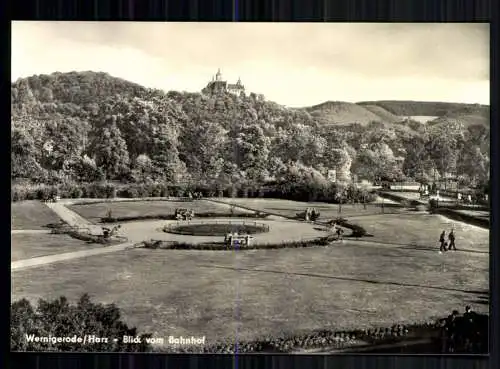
110	149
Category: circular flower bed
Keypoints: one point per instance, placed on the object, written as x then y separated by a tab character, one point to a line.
216	229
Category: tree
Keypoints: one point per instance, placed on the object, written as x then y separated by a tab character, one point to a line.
164	155
24	155
251	151
111	150
444	143
473	164
201	147
143	166
340	160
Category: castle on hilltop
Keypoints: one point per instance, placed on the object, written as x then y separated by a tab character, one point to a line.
217	86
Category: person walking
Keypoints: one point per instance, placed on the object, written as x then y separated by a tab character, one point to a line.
451	238
340	234
442	242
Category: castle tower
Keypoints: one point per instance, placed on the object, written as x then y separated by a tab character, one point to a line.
218	76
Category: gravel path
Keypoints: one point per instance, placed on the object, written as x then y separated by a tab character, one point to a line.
30	231
50	259
280	230
72	218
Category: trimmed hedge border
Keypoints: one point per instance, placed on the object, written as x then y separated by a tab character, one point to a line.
466	218
140	190
174	245
64	229
177	228
171	217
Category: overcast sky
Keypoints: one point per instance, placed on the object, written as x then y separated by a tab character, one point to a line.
295	64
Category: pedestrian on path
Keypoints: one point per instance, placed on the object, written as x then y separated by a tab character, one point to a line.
451	238
340	234
442	242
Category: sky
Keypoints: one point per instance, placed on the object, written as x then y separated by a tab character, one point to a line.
294	64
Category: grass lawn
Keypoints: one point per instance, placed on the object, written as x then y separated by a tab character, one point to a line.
212	229
31	215
423	230
476	213
95	212
328	211
25	246
249	294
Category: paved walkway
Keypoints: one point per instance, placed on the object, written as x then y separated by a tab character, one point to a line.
30	231
73	219
280	230
50	259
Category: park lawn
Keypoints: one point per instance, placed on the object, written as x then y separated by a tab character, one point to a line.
249	294
144	208
423	230
289	208
476	213
31	215
25	246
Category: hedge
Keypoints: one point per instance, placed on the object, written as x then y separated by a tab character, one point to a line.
304	192
172	217
90	238
173	245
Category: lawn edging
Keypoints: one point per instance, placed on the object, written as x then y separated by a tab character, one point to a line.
461	217
214	246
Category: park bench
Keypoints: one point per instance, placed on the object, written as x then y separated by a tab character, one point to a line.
183	214
236	239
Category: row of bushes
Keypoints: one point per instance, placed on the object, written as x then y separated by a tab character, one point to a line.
350	340
112	190
357	230
214	246
90	238
172	217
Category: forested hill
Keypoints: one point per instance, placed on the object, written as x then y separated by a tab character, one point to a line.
87	126
426	108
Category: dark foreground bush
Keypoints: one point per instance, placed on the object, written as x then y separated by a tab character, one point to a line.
59	318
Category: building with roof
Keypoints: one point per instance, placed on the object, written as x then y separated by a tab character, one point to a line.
217	86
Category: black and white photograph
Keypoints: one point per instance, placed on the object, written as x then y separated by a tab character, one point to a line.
250	187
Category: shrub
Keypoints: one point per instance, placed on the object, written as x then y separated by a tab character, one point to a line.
76	192
110	191
128	192
42	193
59	318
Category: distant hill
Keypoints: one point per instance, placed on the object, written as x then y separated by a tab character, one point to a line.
73	87
340	112
426	108
385	115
